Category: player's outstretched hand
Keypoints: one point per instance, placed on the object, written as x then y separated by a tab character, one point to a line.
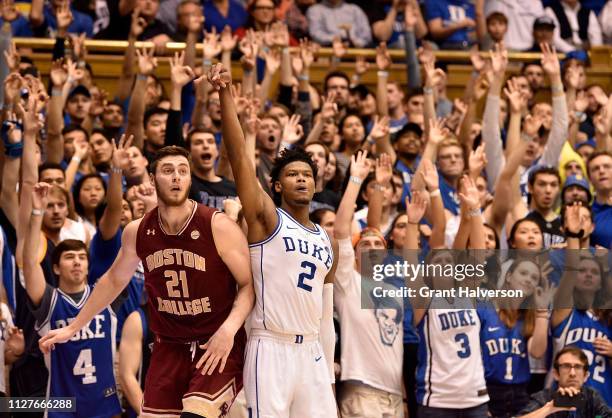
219	77
218	348
55	336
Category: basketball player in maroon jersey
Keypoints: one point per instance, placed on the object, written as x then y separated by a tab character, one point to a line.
199	284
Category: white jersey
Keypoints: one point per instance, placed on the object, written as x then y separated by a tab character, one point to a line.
5	323
289	269
450	372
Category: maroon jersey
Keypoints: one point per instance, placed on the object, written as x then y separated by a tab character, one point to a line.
190	289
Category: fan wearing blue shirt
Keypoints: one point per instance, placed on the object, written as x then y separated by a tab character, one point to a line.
599	168
450	167
19	24
44	19
219	13
451	22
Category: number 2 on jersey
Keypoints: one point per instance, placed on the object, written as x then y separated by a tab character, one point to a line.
172	284
600	366
306	275
84	367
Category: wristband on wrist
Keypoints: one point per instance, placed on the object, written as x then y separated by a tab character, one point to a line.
7	106
285	145
76	158
285	50
304	77
37	212
435	193
580	116
427	90
379	187
142	77
55	92
526	137
207	62
557	88
571	234
116	170
382	73
356	180
13	150
472	213
70	80
413	223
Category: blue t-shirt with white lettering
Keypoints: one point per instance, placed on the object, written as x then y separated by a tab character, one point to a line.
451	11
504	349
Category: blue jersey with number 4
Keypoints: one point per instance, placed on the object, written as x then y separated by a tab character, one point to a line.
504	350
580	329
82	368
450	372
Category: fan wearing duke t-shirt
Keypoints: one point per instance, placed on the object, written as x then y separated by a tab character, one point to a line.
452	22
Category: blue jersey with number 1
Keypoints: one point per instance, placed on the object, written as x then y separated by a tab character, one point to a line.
83	366
504	350
580	329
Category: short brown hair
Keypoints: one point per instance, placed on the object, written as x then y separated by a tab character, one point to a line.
595	155
168	151
67	245
497	17
320	143
571	349
196	130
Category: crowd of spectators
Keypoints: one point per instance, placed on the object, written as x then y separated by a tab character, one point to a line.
530	171
448	24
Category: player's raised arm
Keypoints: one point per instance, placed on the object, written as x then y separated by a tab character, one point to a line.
259	209
107	289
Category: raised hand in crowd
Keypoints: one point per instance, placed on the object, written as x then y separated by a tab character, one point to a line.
147	63
12	58
292	131
137	25
228	41
212	44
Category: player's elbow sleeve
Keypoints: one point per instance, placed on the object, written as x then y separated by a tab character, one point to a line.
328	336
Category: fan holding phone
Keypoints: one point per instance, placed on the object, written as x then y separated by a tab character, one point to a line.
571	399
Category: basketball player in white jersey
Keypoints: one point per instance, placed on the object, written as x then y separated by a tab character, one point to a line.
289	361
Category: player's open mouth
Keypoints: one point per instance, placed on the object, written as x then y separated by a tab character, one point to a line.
175	189
302	189
271	139
206	157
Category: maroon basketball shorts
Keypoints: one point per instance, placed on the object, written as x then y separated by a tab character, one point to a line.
173	384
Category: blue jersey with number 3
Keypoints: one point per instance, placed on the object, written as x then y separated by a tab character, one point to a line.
580	329
82	367
504	350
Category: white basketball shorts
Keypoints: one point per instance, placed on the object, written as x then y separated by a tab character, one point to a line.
286	376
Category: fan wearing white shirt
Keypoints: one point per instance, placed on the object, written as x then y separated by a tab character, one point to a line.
371	375
576	27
